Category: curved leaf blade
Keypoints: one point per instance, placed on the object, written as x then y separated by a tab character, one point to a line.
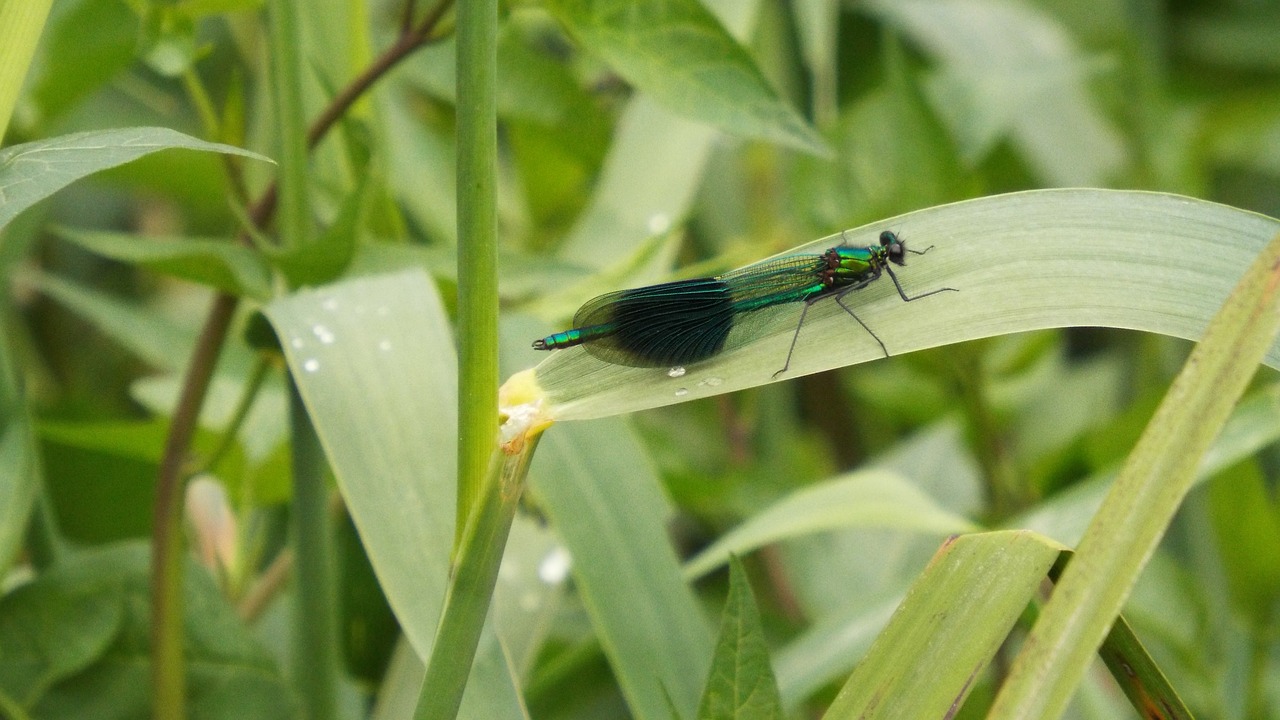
873	498
33	171
373	360
1024	261
216	263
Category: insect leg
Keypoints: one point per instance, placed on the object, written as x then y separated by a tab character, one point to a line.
852	314
902	294
794	338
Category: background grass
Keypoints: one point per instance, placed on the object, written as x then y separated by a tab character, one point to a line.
632	148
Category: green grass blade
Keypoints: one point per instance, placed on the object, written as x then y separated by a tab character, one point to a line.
1144	497
373	360
1023	261
951	624
20	474
872	498
594	483
219	264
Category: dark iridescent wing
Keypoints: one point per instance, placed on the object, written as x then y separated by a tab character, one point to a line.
686	321
660	325
774	282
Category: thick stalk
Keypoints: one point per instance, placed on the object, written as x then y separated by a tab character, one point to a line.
477	250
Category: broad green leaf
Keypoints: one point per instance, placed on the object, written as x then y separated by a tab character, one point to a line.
20	475
677	53
374	362
1008	70
741	684
1023	261
595	485
325	256
85	44
33	171
89	657
156	339
219	264
55	628
948	629
651	175
870	498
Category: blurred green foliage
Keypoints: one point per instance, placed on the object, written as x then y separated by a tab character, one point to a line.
619	136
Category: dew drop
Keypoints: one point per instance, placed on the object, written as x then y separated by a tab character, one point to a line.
554	568
323	334
659	223
677	371
311	365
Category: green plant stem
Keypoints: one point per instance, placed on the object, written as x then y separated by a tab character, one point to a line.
1004	494
466	602
315	620
294	221
203	104
21	23
168	665
1142	501
243	406
477	249
266	586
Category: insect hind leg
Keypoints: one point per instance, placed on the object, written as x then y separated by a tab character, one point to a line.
852	314
795	337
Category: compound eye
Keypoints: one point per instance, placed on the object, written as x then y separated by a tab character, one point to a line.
887	238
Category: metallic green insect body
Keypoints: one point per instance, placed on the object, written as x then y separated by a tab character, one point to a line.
682	322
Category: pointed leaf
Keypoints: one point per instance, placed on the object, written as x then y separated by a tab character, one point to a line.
741	684
677	52
33	171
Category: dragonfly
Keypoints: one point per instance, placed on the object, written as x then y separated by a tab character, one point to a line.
676	323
